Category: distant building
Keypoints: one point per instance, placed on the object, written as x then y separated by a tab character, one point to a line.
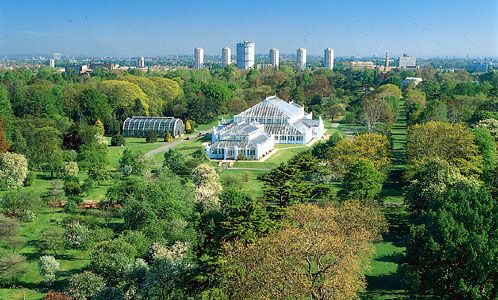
139	126
253	133
57	56
386	64
198	58
265	66
141	62
226	56
84	69
328	58
362	65
301	58
410	80
407	62
51	63
478	67
245	55
103	65
274	57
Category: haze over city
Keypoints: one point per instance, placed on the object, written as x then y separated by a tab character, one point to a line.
158	28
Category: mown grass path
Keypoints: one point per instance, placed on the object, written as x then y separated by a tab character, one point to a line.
384	279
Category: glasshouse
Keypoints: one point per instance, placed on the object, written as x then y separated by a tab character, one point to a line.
139	126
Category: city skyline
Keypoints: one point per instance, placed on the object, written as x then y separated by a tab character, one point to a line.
423	28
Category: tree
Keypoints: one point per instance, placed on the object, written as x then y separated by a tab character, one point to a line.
20	204
132	163
123	97
72	186
371	146
12	266
51	240
168	271
491	125
93	105
48	267
68	169
93	155
176	162
415	104
151	136
100	126
5	105
45	149
207	186
362	181
244	218
118	140
487	149
167	137
300	180
320	253
112	259
9	232
335	111
381	106
13	169
4	146
189	128
85	285
453	231
451	142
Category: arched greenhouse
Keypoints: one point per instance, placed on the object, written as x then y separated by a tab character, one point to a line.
138	126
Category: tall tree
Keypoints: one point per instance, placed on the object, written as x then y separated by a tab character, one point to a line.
319	253
452	244
451	142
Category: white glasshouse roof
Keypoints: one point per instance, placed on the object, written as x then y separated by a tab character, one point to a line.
272	107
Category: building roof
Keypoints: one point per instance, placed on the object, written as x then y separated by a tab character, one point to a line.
272	107
242	128
242	144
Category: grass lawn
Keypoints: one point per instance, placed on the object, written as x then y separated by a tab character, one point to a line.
383	279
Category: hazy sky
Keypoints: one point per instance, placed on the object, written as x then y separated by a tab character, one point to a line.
351	27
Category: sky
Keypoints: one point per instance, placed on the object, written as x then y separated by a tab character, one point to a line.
168	27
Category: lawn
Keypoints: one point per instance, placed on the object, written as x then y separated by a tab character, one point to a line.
384	279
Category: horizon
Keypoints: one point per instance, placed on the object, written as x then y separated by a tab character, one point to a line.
157	29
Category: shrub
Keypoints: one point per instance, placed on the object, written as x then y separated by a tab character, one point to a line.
20	204
167	137
30	179
118	140
151	136
72	186
13	169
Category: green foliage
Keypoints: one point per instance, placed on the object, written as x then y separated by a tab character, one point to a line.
12	267
85	285
72	186
487	149
167	137
453	231
132	163
20	204
362	181
113	259
118	140
151	136
298	181
451	142
44	149
243	217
